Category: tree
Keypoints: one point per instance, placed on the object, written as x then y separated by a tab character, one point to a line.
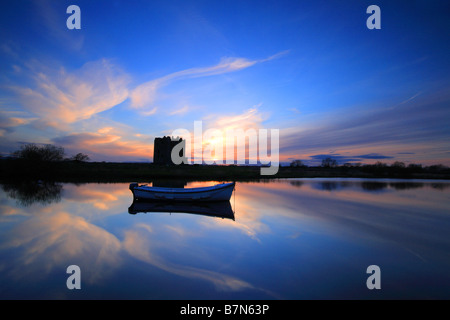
348	165
329	162
80	157
415	166
297	163
40	153
398	164
380	165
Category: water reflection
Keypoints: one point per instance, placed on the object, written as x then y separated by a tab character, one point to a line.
292	239
219	209
371	185
374	186
27	193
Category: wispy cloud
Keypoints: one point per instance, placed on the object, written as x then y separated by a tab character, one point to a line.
149	112
9	120
145	94
251	118
60	97
409	99
179	111
294	110
107	143
341	158
417	126
53	21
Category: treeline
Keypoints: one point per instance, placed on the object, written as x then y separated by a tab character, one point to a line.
34	161
396	169
46	153
50	163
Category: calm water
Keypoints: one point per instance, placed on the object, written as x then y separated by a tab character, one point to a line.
289	239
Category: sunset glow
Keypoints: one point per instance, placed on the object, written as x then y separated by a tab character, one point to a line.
312	69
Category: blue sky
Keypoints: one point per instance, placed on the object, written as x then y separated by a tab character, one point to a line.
312	69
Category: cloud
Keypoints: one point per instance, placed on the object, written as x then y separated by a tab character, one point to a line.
53	19
106	143
294	110
87	138
10	122
250	118
10	49
409	99
373	156
349	158
68	103
146	93
149	112
61	97
182	110
243	128
417	126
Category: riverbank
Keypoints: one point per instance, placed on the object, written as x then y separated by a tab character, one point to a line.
116	172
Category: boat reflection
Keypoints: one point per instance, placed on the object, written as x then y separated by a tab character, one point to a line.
219	209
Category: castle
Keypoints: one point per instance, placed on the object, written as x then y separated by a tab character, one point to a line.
162	150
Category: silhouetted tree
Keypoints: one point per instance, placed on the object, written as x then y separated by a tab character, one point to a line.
380	164
40	153
348	165
297	163
329	163
415	166
80	157
398	164
436	168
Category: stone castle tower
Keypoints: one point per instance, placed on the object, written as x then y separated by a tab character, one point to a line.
162	150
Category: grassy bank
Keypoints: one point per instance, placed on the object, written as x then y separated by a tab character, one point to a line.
111	171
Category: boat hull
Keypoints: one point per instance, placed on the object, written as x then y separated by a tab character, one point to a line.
220	192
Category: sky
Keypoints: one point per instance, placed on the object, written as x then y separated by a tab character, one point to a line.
137	70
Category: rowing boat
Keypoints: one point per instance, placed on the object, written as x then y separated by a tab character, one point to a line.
218	192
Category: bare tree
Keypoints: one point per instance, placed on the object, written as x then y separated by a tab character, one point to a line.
80	157
40	153
398	164
297	163
329	162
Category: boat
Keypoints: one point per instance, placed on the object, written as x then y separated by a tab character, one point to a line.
218	192
218	209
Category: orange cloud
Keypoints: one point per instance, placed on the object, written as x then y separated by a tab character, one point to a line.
107	144
62	237
65	97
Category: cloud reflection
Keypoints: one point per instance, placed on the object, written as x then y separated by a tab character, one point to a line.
138	245
402	215
279	220
49	240
67	233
